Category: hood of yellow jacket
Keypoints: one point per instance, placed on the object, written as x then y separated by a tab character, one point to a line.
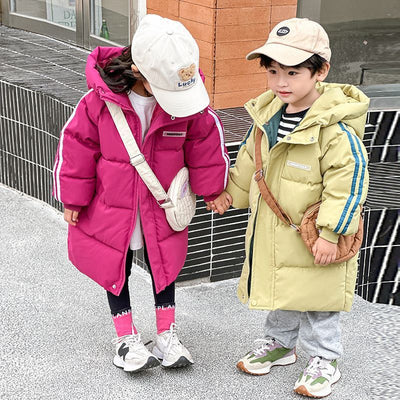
338	102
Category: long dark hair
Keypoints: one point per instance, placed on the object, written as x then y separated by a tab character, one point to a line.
117	73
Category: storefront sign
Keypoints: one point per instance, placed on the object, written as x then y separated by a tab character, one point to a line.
61	12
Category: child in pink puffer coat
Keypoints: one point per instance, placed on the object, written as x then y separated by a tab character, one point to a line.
110	211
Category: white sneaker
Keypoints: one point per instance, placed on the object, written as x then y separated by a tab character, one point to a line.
170	350
317	378
132	355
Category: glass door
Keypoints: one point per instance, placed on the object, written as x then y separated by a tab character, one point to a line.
87	23
109	21
60	12
55	18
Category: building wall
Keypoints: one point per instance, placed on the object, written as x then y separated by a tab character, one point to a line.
226	30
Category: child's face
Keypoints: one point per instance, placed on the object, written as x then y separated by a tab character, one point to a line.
147	86
295	86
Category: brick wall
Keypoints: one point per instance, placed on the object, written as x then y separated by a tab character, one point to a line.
226	30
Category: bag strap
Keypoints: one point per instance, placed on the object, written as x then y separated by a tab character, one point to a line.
136	158
264	189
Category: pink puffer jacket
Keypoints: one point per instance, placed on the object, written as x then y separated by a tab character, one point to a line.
92	174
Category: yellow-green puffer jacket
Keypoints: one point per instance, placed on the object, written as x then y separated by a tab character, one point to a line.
322	159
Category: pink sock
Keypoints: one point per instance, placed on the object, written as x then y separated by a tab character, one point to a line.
123	323
165	316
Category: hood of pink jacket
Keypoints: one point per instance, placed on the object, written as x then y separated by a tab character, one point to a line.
100	56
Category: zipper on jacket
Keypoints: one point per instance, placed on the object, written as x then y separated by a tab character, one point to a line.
135	188
251	248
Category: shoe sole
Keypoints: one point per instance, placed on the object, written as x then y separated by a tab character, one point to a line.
150	363
181	362
290	360
304	392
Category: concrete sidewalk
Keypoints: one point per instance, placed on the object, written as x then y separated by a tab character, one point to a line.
56	330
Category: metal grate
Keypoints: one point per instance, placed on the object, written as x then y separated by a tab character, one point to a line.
378	275
43	64
30	123
236	122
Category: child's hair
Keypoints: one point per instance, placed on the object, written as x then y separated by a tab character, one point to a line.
117	72
314	63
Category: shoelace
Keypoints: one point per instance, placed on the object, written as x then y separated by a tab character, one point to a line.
317	365
173	337
130	340
265	345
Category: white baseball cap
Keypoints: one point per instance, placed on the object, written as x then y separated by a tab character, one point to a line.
168	57
293	41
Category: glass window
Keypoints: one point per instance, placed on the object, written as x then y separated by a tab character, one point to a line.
61	12
364	37
110	20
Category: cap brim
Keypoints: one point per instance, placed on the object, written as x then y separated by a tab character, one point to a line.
285	55
182	103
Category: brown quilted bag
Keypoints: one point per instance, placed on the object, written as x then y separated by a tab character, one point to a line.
348	246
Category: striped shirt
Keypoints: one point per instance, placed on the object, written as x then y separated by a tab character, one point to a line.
288	122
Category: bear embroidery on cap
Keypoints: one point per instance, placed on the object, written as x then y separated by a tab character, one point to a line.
187	73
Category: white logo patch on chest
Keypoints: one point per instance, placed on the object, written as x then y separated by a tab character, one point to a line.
174	134
294	164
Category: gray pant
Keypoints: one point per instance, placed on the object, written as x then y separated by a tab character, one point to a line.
318	331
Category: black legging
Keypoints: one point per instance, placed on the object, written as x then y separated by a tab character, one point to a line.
121	303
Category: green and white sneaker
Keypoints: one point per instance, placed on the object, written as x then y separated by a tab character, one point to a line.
268	354
317	378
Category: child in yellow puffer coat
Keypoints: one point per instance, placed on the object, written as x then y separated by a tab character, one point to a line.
311	151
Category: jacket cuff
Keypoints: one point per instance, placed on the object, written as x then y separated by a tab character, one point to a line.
329	235
211	197
240	198
73	207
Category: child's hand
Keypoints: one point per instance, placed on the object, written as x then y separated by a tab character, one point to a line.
221	203
324	252
71	216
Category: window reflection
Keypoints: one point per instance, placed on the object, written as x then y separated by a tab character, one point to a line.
364	37
61	12
110	20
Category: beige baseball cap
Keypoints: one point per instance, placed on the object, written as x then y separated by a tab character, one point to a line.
293	41
168	57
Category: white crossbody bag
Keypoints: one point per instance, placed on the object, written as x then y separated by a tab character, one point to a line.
179	202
